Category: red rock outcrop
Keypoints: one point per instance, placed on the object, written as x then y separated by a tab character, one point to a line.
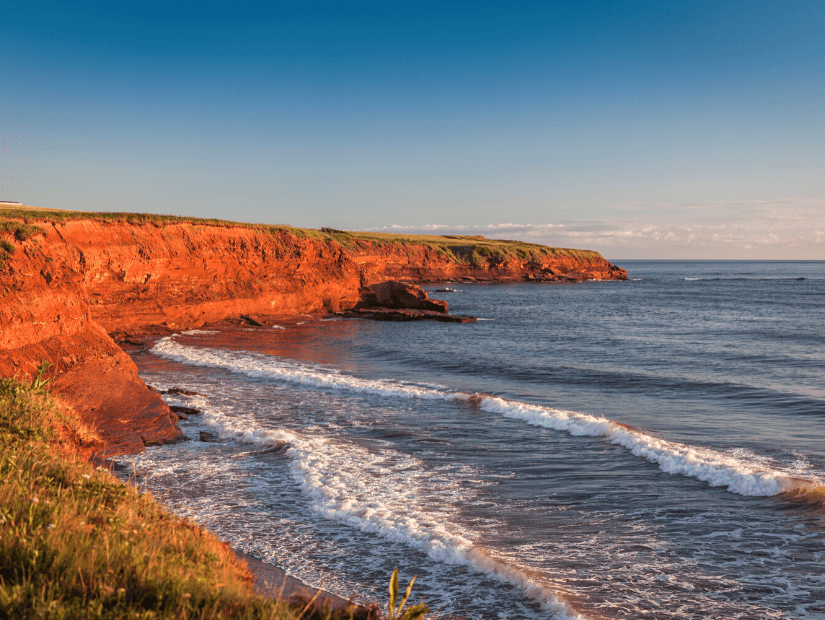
64	289
397	301
398	295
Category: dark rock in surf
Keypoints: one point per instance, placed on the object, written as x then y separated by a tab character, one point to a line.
387	314
177	390
184	412
208	437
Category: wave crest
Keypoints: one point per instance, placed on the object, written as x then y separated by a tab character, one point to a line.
738	474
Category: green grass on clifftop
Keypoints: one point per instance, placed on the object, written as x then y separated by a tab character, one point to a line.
77	543
458	248
60	215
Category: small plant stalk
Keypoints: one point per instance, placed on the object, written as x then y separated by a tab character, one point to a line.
413	613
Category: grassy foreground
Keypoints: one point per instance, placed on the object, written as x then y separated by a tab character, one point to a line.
457	248
77	543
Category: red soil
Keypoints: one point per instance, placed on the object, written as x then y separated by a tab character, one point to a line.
63	292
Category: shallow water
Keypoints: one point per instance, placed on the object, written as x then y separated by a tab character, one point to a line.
644	449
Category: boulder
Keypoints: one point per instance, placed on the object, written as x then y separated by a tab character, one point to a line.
184	412
177	390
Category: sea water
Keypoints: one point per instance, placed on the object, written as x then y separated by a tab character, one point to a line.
653	448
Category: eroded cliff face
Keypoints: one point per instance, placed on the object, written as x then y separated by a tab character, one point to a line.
65	289
380	262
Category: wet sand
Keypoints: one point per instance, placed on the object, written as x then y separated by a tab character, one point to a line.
272	581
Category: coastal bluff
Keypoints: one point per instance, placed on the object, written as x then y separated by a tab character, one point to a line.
70	281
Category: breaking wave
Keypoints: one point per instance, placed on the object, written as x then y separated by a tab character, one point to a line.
380	492
738	472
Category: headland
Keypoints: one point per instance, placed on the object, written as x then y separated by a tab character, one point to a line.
74	284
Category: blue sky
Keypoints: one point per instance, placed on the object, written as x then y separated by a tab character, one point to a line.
638	129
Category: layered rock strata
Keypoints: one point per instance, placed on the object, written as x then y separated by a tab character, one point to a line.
66	288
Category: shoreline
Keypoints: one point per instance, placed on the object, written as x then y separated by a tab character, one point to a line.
268	580
96	544
275	583
71	281
79	288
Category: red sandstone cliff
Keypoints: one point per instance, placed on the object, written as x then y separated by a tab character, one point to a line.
64	288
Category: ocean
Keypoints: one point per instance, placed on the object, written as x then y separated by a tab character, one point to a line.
653	448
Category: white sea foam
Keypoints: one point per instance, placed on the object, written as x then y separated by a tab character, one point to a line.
380	492
739	475
266	366
735	471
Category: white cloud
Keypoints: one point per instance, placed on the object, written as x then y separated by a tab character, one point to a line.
783	229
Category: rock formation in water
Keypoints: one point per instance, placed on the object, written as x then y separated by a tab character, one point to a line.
67	284
399	295
399	301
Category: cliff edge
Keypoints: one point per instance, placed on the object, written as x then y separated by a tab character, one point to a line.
69	279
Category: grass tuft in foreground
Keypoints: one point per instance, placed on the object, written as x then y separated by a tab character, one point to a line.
77	543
